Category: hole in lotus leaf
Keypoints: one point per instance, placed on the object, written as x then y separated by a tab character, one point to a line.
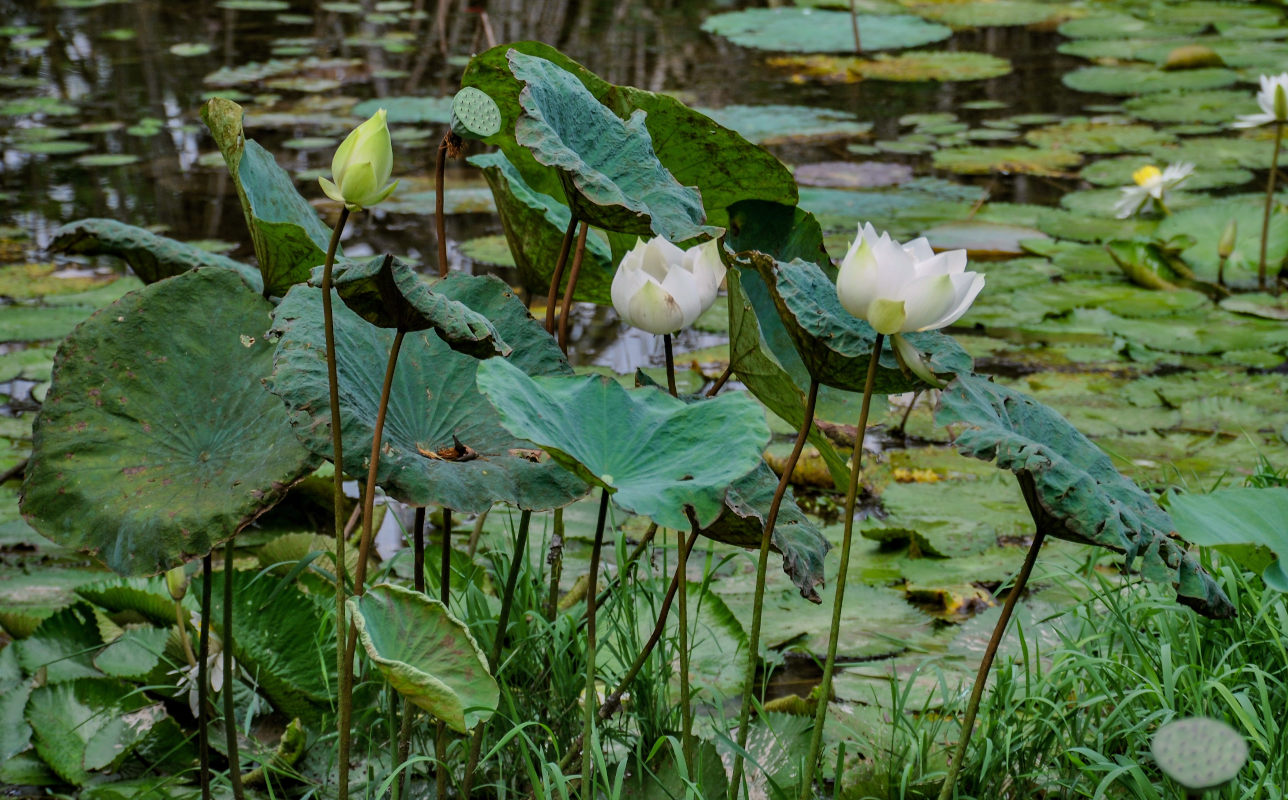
805	30
1144	79
778	124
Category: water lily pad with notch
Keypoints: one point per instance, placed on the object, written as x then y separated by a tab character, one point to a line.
288	236
1071	486
157	441
608	170
426	654
650	450
806	30
1134	79
434	403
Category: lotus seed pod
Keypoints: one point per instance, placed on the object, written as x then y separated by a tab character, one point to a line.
474	114
1199	753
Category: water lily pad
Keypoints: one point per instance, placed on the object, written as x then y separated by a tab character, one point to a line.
36	106
1206	223
610	174
919	65
108	160
849	175
115	471
1089	136
255	5
981	239
1022	160
408	110
780	124
1071	486
996	13
54	147
190	49
1258	304
1143	79
1124	26
433	405
426	654
1118	172
1216	105
1206	152
806	30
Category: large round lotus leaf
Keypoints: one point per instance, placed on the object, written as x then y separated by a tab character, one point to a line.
610	174
1021	160
1071	486
407	110
385	291
981	239
918	65
426	654
1245	524
651	450
779	124
806	30
1207	222
433	402
1125	26
992	14
1096	137
1216	105
1205	152
835	345
157	440
1118	172
699	152
1144	79
534	225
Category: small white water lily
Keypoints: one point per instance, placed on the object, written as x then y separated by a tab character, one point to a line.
660	288
1273	99
901	288
362	165
1151	186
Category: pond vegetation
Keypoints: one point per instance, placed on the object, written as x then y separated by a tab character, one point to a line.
664	400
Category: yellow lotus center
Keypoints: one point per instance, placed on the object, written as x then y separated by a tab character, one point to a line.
1146	174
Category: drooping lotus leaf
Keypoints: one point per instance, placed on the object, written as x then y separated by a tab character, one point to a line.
426	654
1146	79
723	166
1071	486
1245	524
152	257
651	450
534	225
834	344
157	440
807	30
387	292
433	403
1205	224
608	170
1016	159
288	236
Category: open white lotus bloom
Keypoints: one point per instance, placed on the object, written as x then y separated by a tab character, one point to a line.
900	288
1273	99
660	288
1151	186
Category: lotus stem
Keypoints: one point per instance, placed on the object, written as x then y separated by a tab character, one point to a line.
369	495
418	582
230	709
721	381
473	546
440	219
670	364
1220	270
686	708
203	680
184	641
337	459
907	412
762	569
851	495
981	677
445	595
402	749
555	559
566	310
854	24
498	644
588	722
553	296
1270	200
418	550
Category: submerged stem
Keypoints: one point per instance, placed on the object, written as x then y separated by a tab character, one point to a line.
1270	200
230	709
566	309
203	680
851	496
762	568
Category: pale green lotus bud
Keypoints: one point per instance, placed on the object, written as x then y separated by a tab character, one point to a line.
176	581
1281	103
362	165
1226	246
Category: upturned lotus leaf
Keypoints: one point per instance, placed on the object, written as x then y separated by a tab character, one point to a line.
426	654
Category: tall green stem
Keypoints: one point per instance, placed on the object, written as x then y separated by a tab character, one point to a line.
762	568
369	496
203	680
337	459
1270	200
981	677
230	678
555	559
588	721
851	496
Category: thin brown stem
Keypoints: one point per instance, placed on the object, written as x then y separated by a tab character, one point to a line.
565	310
440	219
184	641
854	24
369	495
851	496
981	677
418	550
557	276
1270	200
203	680
230	709
670	364
721	381
762	569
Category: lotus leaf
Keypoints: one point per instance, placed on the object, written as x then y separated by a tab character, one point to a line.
609	172
134	654
67	717
1143	79
289	238
426	654
806	30
534	225
1071	486
1246	524
116	471
62	645
147	597
646	447
150	256
433	406
723	166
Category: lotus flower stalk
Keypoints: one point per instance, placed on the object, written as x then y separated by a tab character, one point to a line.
1273	99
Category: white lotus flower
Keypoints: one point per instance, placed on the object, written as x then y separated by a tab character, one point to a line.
362	165
660	288
1150	187
900	288
1273	99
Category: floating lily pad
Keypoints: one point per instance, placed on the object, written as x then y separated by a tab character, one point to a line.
849	175
920	65
1206	152
115	471
1258	304
1206	223
408	110
1142	79
991	14
35	106
779	124
1022	160
426	654
190	49
255	5
54	147
1124	26
806	30
1118	172
1085	136
1217	106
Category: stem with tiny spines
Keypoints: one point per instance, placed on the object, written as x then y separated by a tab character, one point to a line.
440	220
203	680
230	678
1270	199
762	569
557	275
851	496
588	721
